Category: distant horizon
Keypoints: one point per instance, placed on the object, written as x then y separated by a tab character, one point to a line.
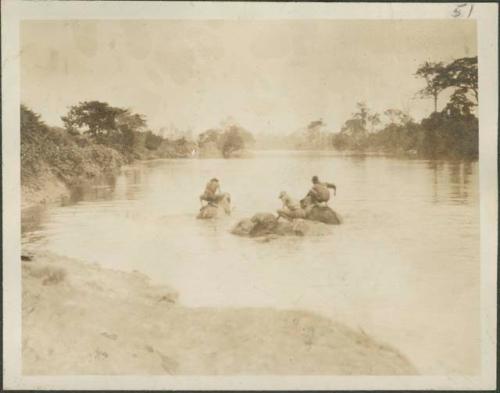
271	77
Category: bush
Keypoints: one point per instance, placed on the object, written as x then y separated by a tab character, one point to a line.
72	158
227	141
450	136
441	135
152	141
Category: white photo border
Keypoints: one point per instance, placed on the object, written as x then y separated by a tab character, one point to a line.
13	12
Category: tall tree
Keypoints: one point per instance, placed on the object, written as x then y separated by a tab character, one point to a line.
462	75
92	117
104	123
360	121
433	74
355	127
362	114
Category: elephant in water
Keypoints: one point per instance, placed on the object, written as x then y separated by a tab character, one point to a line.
267	225
321	213
223	207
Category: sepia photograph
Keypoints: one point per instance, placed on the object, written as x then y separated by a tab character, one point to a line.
251	197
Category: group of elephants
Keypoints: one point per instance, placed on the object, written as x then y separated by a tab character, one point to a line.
263	224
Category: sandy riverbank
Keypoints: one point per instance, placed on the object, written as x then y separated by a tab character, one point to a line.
82	319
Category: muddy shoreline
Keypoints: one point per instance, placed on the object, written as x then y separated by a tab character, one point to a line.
80	318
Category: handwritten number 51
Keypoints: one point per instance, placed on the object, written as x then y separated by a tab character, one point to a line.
457	12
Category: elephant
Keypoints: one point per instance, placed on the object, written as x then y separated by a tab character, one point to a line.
321	213
268	225
223	207
262	224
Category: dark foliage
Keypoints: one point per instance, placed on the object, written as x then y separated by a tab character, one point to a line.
228	140
69	157
152	141
96	141
449	133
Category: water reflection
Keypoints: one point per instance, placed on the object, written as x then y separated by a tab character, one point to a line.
99	189
456	177
33	218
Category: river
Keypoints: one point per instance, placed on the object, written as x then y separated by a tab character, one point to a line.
403	267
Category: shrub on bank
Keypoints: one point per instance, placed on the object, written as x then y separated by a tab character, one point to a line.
71	158
450	136
437	137
224	142
74	157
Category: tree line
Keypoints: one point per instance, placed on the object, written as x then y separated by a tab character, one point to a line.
96	132
97	138
121	129
451	132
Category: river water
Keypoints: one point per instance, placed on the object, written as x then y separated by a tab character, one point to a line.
403	266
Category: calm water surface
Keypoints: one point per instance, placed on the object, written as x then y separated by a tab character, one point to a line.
403	267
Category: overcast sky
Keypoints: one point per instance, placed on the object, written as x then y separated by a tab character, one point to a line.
270	76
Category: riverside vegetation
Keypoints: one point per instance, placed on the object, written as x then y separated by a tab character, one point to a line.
449	133
98	138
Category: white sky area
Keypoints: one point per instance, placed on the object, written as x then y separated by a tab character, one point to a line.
270	76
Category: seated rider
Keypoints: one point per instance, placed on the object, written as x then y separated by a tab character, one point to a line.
291	209
212	192
319	192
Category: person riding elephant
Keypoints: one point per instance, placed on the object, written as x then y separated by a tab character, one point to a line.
319	192
291	209
212	193
215	210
